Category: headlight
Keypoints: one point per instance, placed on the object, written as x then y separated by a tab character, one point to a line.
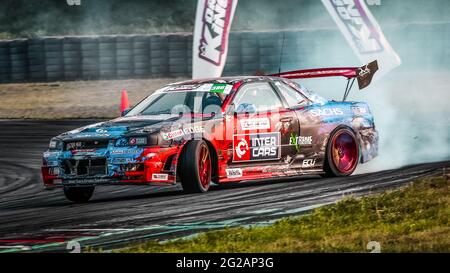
54	145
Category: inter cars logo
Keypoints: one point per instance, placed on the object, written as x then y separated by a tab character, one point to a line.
254	147
241	148
216	18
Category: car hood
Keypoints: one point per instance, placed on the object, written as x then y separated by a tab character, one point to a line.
124	126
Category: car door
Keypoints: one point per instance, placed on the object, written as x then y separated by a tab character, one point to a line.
309	140
262	126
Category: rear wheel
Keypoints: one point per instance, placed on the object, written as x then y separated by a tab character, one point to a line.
196	167
79	194
342	153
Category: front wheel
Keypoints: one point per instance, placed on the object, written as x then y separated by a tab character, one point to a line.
79	194
195	171
342	153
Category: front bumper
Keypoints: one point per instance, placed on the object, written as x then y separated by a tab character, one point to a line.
125	166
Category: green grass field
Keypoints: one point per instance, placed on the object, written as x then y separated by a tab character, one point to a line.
412	219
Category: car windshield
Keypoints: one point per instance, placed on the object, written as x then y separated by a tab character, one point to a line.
174	100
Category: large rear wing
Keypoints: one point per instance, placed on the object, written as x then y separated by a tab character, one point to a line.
363	74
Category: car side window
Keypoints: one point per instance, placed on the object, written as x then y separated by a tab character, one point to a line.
292	96
256	97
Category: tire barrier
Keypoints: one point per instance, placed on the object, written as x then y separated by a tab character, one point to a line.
5	62
170	55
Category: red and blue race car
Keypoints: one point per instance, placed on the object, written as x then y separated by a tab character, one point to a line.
219	130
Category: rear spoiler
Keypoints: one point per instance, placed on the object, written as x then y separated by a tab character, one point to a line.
363	74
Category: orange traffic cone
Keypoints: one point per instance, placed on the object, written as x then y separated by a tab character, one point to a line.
124	103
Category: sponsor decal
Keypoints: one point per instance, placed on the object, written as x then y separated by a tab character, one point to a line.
300	140
122	160
327	112
207	87
183	87
78	145
182	132
294	141
241	148
221	88
359	110
125	151
193	129
255	123
83	151
86	181
138	141
160	176
255	147
172	134
101	131
308	163
234	173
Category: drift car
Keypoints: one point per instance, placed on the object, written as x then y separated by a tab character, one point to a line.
219	130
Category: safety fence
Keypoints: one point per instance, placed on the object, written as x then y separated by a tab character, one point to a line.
151	56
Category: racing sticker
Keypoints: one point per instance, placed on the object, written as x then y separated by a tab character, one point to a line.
326	112
207	87
160	176
234	173
255	123
297	141
256	147
182	132
309	163
300	140
221	88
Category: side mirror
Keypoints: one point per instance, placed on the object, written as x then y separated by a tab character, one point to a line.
124	112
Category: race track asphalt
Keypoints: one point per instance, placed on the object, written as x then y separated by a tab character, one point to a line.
33	219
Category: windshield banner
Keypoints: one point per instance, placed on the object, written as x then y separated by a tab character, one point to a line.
210	44
363	33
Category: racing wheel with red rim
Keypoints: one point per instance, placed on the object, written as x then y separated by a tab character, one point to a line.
342	153
196	167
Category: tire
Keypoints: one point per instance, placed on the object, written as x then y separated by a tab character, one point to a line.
342	153
79	194
196	167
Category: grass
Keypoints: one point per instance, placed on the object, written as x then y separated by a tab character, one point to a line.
411	219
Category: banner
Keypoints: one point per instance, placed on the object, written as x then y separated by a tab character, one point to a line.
363	33
210	44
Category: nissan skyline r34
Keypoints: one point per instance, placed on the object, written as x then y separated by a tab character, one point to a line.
219	130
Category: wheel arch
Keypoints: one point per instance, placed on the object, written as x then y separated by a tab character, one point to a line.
212	152
332	132
345	126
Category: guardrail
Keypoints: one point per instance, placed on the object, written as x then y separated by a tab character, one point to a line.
145	56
